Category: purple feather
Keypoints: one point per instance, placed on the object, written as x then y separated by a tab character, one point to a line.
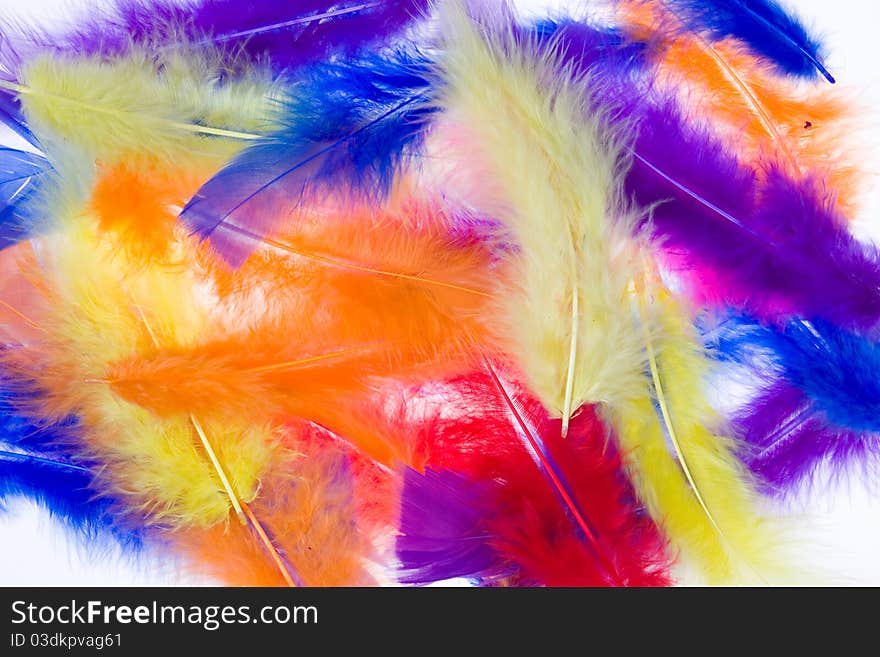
288	34
774	247
787	439
441	528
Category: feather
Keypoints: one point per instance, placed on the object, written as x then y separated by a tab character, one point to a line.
739	95
137	202
343	125
35	464
579	341
351	125
485	509
818	399
65	490
171	107
764	26
728	235
22	305
288	34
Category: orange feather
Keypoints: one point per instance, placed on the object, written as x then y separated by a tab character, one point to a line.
771	118
138	199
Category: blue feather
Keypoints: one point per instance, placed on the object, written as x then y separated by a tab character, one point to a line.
351	125
65	491
36	464
12	117
21	176
343	125
763	25
839	371
818	398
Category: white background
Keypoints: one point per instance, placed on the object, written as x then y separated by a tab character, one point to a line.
838	537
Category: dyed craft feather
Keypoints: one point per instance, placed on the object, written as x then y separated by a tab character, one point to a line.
348	125
417	290
182	473
65	491
351	125
579	341
21	178
172	107
307	509
93	312
764	26
484	509
818	400
34	465
729	235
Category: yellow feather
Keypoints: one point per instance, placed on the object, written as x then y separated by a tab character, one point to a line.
169	106
687	472
557	169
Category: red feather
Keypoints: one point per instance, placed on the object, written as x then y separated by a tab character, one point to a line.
534	533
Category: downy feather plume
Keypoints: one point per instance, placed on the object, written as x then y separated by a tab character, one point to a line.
764	26
35	465
729	235
818	398
99	308
64	489
485	508
136	200
346	125
20	298
579	339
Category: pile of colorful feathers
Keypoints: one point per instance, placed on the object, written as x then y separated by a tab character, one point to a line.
362	292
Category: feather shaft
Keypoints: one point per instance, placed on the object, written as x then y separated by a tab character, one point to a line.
533	444
282	566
